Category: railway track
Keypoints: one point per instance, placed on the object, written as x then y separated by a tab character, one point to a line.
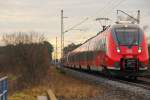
140	82
139	86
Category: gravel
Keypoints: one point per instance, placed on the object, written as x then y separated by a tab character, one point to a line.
114	90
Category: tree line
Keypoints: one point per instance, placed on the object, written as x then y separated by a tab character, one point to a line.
26	55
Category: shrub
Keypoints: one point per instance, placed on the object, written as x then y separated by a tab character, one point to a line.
27	57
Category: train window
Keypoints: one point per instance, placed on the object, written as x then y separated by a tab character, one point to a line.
127	36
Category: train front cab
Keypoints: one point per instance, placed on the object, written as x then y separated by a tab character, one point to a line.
127	51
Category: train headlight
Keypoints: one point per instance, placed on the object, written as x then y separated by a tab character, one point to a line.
139	50
118	49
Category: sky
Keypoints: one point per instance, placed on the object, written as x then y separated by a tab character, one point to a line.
44	16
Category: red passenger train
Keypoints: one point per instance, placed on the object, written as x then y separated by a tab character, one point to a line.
119	50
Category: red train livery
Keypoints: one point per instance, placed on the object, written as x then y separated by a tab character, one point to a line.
119	50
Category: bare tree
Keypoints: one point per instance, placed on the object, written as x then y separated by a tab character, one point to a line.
22	37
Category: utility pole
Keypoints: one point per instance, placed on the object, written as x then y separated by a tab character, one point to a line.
62	30
138	17
62	33
56	57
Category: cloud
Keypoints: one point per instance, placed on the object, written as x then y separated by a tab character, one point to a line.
44	15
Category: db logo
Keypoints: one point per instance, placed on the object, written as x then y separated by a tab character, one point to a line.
129	51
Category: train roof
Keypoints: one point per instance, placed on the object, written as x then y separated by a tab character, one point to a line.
96	35
112	27
91	38
125	25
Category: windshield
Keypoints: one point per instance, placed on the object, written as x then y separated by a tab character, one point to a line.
127	36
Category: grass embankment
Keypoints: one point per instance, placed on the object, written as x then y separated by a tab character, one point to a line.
62	85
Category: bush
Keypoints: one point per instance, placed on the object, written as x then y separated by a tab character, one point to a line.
34	59
28	60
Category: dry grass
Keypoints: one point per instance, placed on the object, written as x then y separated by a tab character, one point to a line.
28	94
68	87
62	85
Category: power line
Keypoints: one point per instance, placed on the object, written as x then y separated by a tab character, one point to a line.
115	6
103	9
109	4
76	25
